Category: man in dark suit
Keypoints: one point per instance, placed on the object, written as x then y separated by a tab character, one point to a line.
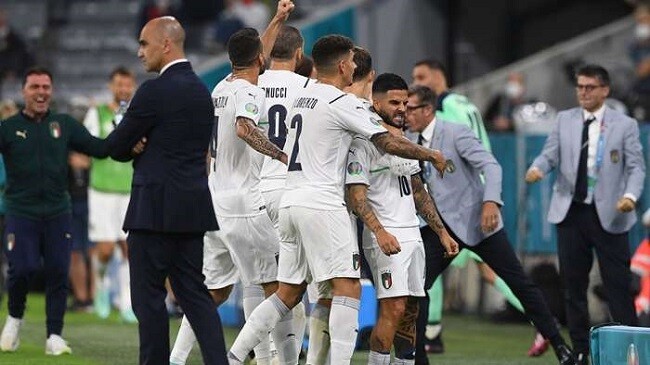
170	207
597	154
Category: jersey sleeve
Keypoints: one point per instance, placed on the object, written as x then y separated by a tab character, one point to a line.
354	116
249	103
357	170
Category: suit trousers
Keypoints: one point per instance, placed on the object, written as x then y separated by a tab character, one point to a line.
430	240
579	234
153	257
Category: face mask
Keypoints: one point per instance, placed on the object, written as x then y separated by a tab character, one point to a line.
642	31
514	89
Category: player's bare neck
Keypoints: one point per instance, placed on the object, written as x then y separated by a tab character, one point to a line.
337	82
281	65
249	74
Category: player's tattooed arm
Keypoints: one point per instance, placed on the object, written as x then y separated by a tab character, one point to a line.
402	147
425	205
357	198
249	132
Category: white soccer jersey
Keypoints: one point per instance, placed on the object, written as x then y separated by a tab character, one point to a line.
235	171
388	179
281	88
321	124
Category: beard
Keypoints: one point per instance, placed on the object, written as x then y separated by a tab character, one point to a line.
390	120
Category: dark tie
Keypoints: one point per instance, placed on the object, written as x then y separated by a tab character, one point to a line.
581	181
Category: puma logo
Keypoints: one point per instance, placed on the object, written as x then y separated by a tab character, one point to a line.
22	134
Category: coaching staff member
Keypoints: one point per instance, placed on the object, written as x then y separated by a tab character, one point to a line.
600	172
35	144
170	207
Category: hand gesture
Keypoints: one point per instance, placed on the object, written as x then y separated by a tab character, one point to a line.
285	7
450	245
534	175
387	243
438	161
489	217
139	147
625	205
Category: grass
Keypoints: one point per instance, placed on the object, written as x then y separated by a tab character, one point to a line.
468	340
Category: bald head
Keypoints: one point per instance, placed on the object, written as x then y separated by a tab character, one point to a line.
161	41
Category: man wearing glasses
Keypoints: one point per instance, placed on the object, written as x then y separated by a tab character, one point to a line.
600	172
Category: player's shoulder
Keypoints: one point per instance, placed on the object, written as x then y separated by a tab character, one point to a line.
283	77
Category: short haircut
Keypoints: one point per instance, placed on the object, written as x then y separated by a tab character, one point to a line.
287	42
329	50
121	71
37	70
305	67
363	60
386	82
244	47
434	65
426	95
596	71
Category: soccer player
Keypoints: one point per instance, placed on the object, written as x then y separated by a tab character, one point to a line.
316	233
246	246
108	198
385	191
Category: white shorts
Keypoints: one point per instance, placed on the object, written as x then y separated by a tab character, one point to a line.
397	275
106	212
272	201
245	247
316	245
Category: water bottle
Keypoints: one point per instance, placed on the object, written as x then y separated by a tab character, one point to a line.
632	355
119	114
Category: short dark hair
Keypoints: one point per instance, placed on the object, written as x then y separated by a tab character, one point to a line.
434	65
388	81
37	70
121	71
596	71
328	50
363	60
305	66
426	95
244	47
287	42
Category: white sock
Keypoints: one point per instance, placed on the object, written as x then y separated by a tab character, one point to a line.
262	321
319	335
377	358
285	340
344	328
125	286
253	296
397	361
432	331
184	342
300	324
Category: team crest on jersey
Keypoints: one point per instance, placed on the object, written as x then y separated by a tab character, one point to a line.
451	168
614	156
55	129
251	108
356	261
11	241
386	279
354	168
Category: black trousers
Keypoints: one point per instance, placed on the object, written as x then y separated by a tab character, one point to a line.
153	257
497	252
578	235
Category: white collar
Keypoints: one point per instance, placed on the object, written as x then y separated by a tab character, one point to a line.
427	133
172	63
598	114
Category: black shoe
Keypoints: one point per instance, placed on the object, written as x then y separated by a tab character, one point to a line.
566	356
434	346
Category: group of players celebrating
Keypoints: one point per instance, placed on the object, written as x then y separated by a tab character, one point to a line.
293	162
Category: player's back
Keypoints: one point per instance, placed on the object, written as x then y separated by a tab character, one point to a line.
235	167
281	88
322	122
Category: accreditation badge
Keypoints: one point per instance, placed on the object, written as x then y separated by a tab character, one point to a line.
614	156
451	168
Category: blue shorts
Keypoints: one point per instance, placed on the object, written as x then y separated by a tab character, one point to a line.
80	240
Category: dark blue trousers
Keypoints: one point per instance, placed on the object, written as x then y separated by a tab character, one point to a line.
153	257
28	244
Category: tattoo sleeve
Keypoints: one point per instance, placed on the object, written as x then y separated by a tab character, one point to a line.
247	131
401	147
357	194
405	335
425	205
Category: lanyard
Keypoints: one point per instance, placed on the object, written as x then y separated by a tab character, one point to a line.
600	150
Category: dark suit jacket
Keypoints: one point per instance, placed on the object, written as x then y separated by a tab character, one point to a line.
170	187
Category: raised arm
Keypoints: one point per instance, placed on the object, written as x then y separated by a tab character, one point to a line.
247	131
402	147
285	7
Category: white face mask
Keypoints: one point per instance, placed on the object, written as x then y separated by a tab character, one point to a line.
514	89
642	31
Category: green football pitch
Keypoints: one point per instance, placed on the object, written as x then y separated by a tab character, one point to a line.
468	340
